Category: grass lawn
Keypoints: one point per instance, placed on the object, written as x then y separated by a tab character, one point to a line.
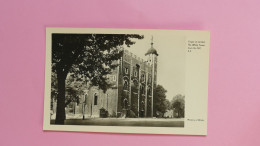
144	122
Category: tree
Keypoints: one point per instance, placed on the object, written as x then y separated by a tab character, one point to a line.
160	101
178	104
167	104
87	55
75	86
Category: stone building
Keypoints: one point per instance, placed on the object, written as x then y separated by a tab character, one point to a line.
131	93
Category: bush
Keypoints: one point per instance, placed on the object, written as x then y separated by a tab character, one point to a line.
103	113
113	115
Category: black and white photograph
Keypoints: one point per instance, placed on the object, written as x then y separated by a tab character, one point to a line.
117	80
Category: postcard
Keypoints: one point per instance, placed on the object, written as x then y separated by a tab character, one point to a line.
126	80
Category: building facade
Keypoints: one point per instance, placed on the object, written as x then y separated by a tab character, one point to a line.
131	94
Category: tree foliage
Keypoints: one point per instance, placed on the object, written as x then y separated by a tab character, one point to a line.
178	104
75	86
161	104
88	56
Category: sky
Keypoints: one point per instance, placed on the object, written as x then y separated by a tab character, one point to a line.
171	60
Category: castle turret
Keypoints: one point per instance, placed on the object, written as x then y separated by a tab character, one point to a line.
152	60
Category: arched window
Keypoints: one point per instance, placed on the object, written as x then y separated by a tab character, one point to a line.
95	99
135	83
142	89
126	70
77	100
85	99
125	85
142	104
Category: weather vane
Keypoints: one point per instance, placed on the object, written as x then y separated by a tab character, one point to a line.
152	41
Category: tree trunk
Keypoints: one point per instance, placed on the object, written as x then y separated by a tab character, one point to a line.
60	114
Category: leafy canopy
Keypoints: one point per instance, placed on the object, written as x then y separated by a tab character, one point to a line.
90	56
161	104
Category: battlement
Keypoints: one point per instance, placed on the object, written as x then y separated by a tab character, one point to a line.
141	60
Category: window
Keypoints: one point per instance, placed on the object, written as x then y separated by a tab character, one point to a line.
95	98
125	103
142	78
85	99
149	91
126	70
135	83
125	85
77	100
142	89
135	86
114	78
135	74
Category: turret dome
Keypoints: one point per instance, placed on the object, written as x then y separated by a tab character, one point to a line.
152	50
